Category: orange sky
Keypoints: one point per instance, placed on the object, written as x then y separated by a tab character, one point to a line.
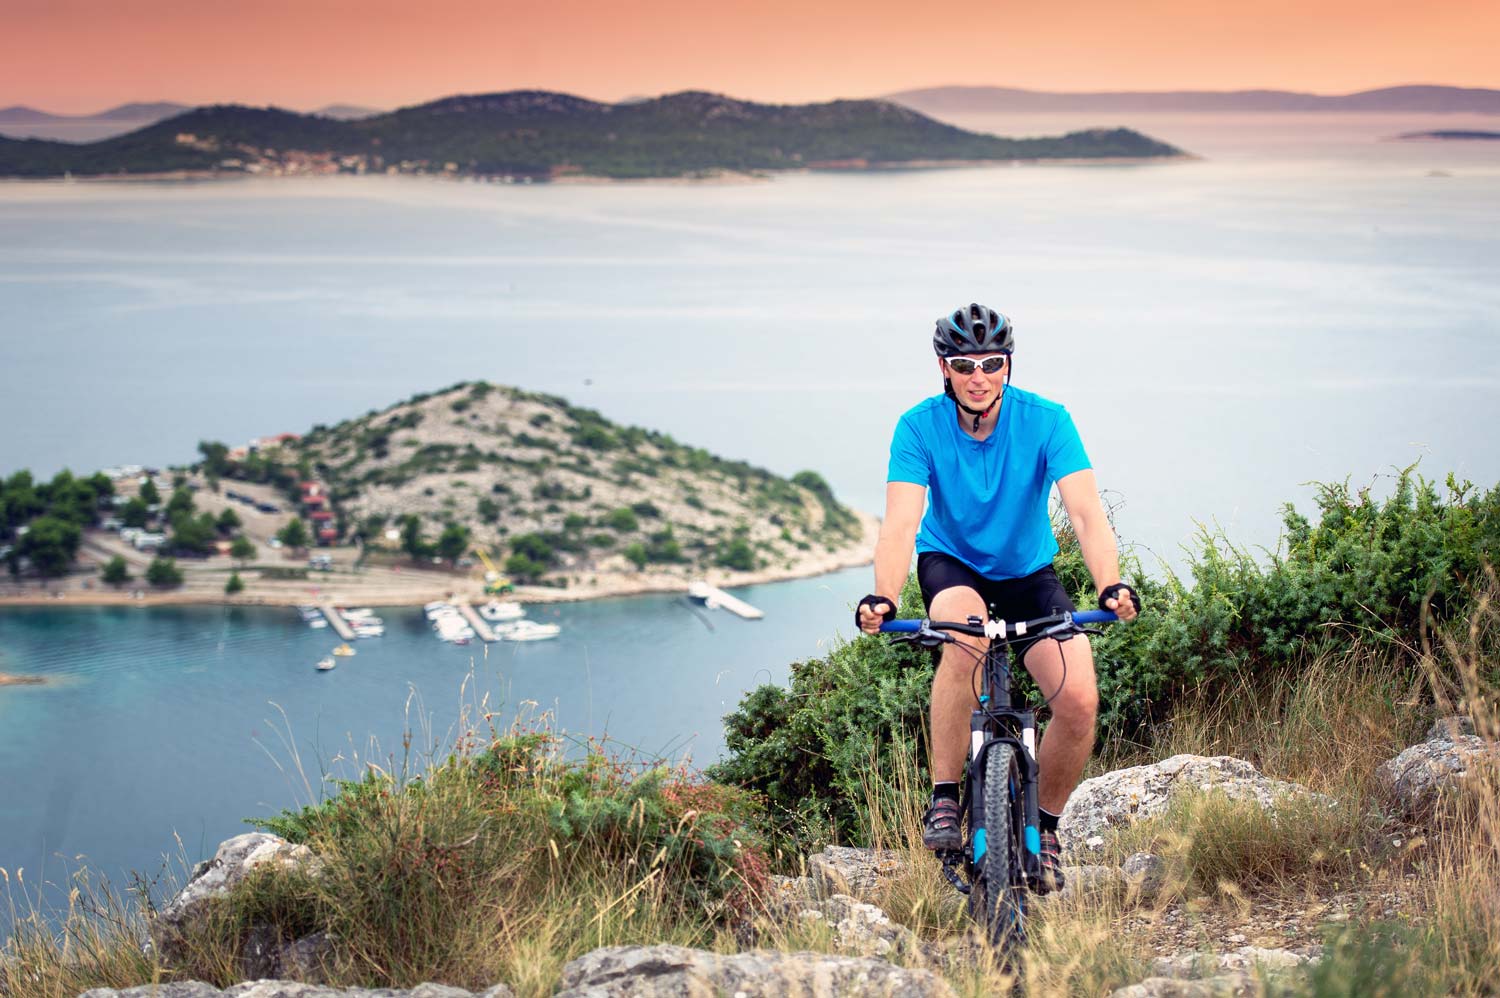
81	55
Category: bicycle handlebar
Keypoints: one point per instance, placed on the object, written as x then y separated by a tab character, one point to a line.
992	629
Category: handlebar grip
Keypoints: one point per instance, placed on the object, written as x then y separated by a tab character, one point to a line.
901	626
1093	617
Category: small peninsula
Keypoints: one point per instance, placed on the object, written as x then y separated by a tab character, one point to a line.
434	496
532	135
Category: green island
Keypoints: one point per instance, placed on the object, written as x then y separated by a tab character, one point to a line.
537	135
1336	701
438	494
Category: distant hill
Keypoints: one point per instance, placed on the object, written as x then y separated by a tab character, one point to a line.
135	113
18	115
1425	99
347	112
543	135
1453	135
141	112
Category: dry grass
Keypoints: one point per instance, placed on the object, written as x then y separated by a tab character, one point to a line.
95	942
452	878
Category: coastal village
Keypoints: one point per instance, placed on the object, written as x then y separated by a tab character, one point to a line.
405	508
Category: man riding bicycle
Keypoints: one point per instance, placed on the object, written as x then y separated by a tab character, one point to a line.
988	454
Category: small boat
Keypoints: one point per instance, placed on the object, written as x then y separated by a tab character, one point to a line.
309	613
369	630
530	630
362	613
325	664
343	651
318	624
498	610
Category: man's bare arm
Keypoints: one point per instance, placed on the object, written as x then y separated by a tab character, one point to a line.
1096	538
904	504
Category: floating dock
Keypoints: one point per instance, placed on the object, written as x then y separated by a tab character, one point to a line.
712	596
336	621
480	625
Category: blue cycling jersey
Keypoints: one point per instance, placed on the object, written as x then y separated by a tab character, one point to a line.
987	499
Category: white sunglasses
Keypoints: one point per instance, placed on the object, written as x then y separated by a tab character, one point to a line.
991	364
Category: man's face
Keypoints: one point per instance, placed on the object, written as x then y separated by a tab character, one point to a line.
979	388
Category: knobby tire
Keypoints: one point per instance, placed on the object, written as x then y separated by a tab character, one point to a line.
996	899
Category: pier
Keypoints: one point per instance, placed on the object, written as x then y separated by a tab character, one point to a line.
712	596
336	621
480	625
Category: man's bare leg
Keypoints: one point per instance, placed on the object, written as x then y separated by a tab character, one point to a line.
1069	741
953	687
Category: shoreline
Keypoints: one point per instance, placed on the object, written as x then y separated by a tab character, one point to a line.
422	587
711	177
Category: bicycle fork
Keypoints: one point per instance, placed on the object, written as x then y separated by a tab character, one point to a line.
983	737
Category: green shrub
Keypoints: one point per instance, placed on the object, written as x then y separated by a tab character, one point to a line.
736	554
116	572
622	520
1361	574
164	573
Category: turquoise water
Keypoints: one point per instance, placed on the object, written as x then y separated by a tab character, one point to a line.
1223	330
1305	303
166	723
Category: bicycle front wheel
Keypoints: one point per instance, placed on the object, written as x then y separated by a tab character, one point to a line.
997	898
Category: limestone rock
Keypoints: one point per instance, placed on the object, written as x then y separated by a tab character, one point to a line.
1245	959
1146	872
1083	880
679	972
1424	774
176	989
289	989
1128	795
863	929
232	862
848	870
1226	986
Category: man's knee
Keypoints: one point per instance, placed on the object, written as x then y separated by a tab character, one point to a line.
1077	703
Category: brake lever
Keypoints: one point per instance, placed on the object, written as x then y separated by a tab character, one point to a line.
927	639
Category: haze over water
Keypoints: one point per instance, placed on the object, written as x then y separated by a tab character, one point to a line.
1305	303
1310	303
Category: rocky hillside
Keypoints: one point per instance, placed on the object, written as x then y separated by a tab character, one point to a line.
559	494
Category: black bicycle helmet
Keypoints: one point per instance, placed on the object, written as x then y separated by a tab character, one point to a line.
976	329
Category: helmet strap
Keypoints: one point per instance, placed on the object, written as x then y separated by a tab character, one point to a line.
978	414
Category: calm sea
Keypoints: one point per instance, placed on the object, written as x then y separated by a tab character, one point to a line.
1306	302
167	724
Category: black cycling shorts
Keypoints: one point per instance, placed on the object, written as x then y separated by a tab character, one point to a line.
1026	598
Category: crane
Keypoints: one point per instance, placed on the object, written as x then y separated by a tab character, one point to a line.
494	582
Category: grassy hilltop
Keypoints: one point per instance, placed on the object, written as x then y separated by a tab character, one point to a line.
560	494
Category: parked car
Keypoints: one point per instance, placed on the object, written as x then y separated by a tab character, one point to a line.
268	507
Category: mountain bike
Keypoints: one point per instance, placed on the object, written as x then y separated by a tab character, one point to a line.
1001	860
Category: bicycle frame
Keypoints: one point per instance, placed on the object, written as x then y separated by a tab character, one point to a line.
998	721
